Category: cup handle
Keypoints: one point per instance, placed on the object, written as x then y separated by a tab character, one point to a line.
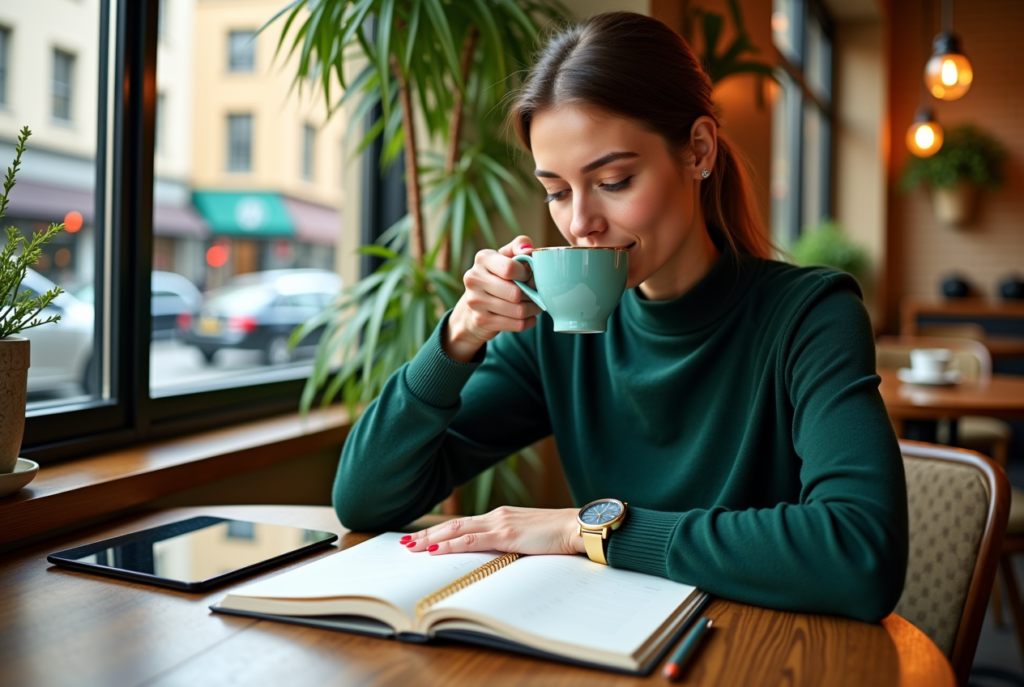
534	296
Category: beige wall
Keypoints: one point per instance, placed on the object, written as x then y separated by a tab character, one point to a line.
174	72
922	250
37	28
278	114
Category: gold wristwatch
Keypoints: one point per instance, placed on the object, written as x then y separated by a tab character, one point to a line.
596	520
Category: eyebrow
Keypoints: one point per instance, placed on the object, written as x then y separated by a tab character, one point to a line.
591	166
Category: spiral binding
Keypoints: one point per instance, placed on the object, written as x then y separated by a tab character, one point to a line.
424	604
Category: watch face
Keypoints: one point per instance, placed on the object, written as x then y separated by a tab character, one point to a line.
601	513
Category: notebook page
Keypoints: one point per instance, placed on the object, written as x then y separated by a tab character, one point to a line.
379	568
572	599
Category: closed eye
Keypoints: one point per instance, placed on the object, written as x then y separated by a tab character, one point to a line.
617	186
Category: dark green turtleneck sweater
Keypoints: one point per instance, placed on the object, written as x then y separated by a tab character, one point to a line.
742	423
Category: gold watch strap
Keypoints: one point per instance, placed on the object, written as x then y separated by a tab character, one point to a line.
594	543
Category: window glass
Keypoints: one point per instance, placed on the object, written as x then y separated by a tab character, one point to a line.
815	191
241	51
787	27
308	141
240	143
161	105
57	182
241	217
5	41
785	167
63	71
819	60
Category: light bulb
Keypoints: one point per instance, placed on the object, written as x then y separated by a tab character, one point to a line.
924	137
948	73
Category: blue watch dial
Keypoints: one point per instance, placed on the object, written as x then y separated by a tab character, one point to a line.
601	513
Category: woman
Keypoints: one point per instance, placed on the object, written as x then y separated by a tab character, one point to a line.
732	403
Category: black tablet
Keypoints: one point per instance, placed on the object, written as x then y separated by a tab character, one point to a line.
194	555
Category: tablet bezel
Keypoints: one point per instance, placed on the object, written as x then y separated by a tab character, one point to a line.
69	558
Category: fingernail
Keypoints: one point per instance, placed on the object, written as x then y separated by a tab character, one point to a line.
433	547
410	544
525	246
405	538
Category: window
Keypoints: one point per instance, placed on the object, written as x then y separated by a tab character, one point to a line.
161	20
63	74
308	141
5	41
240	143
164	253
801	166
241	51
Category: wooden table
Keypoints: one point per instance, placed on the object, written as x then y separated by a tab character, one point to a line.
65	628
1001	396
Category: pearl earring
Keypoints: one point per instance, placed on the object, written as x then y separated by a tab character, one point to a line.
704	173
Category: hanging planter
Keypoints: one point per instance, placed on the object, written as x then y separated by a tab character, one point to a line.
955	207
970	160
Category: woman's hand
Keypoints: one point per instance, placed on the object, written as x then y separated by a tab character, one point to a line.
491	303
508	529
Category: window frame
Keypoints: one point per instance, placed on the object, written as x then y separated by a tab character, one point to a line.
71	58
124	192
5	65
794	67
250	66
308	161
228	163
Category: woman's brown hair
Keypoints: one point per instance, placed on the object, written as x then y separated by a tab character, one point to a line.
637	67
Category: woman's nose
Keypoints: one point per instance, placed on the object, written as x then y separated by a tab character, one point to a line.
586	218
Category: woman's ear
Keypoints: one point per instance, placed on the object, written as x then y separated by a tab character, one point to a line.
704	146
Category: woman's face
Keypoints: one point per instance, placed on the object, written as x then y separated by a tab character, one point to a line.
611	182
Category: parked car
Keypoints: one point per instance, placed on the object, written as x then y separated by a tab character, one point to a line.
259	311
62	351
172	295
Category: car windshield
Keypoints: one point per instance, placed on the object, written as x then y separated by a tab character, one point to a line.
235	300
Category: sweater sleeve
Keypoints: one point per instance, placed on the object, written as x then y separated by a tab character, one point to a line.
437	424
842	548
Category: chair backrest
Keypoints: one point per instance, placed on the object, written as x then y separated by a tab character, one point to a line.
958	503
970	357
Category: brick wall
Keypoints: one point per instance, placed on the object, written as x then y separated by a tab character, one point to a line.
921	250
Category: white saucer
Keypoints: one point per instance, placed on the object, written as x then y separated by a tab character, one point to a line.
906	374
24	472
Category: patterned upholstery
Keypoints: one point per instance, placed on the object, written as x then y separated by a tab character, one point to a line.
948	506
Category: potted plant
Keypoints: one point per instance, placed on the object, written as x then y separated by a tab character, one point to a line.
447	65
968	161
19	310
828	244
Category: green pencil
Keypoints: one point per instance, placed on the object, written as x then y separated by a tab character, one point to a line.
674	668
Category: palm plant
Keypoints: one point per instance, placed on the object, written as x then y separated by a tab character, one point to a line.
451	62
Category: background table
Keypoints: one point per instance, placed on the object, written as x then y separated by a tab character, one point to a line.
1001	396
65	628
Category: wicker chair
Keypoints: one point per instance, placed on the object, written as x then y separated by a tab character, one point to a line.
958	503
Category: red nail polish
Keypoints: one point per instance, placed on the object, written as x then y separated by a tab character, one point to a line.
405	538
432	547
525	246
411	544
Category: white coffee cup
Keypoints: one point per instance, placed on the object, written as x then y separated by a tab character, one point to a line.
930	363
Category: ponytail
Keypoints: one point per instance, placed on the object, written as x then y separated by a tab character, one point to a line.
637	67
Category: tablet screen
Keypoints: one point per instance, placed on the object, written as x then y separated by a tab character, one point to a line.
194	550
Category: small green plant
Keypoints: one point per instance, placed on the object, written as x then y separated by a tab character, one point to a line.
967	154
19	307
827	244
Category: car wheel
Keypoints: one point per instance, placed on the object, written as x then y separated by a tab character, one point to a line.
208	353
276	352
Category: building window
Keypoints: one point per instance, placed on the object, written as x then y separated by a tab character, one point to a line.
241	51
63	73
801	167
159	135
5	42
308	140
240	143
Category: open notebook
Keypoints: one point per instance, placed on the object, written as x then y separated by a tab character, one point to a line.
563	607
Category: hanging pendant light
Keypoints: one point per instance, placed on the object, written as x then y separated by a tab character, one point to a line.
924	137
948	74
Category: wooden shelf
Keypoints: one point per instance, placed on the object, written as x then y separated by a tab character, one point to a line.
95	486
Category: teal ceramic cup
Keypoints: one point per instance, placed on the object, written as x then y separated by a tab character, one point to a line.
578	287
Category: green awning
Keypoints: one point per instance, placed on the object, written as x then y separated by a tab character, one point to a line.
259	214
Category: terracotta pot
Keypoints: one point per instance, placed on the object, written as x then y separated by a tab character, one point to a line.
955	206
14	361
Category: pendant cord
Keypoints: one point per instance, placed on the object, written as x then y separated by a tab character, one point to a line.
947	16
